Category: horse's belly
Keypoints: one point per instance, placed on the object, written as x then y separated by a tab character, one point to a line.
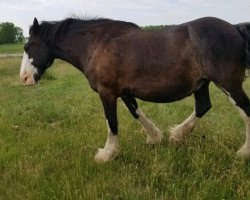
163	98
162	93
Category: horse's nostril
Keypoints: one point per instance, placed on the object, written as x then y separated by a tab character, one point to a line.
25	79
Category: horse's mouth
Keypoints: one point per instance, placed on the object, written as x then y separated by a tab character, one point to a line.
28	79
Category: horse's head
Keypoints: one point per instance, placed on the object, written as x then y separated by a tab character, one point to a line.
36	58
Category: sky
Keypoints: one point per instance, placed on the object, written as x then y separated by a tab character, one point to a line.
141	12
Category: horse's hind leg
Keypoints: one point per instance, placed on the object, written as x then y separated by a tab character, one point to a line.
154	135
202	105
242	103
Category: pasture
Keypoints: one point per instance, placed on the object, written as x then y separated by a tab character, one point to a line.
49	134
16	48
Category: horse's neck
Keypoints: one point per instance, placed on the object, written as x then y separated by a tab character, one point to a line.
78	47
73	50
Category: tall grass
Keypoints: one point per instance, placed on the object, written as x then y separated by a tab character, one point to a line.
49	134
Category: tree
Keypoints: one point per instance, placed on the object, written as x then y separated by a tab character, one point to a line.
9	33
157	27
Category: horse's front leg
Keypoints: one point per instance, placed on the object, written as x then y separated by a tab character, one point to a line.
111	147
154	134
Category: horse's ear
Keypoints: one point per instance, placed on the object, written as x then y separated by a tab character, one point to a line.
35	26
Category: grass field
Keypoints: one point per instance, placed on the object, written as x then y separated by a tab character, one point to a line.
11	48
49	134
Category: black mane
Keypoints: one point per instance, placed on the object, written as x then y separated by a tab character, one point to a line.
49	30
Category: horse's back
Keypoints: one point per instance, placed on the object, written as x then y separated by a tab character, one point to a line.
217	41
157	65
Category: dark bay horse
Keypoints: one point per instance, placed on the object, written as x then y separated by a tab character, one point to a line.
120	59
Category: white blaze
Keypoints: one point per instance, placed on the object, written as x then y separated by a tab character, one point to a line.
27	70
26	66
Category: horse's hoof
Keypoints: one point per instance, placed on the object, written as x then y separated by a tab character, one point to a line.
173	141
156	139
176	136
244	153
104	155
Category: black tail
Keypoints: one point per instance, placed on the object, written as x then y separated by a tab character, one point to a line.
244	30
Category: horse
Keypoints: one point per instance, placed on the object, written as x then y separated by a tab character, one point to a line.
119	59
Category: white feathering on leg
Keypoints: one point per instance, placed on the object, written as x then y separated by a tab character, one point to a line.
110	150
244	152
178	133
154	134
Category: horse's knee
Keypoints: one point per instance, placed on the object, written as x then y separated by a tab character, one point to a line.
241	100
131	104
202	100
202	109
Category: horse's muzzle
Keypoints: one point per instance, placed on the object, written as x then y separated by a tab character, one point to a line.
28	79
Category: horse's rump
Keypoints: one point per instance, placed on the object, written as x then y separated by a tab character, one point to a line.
244	29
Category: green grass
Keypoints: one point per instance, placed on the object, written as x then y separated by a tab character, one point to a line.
49	134
11	48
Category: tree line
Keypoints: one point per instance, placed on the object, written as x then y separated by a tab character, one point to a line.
156	27
9	33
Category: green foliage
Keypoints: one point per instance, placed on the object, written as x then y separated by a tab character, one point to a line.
49	134
9	33
158	27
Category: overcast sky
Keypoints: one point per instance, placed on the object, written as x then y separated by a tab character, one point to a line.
142	12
